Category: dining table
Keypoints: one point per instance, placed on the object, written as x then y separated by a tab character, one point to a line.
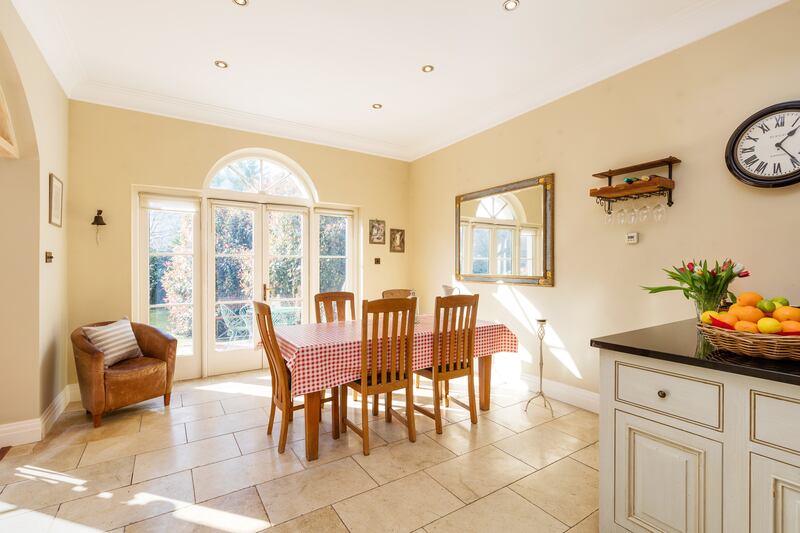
326	355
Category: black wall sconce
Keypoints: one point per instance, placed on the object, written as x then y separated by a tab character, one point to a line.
97	222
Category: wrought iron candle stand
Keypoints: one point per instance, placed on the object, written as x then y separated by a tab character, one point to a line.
540	333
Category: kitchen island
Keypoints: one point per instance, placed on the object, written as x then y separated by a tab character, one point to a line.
696	439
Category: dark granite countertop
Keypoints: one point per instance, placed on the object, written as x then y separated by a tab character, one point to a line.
680	342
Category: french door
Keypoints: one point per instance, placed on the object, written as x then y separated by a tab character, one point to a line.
256	252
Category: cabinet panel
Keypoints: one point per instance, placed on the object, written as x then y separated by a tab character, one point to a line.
686	398
775	421
774	495
666	479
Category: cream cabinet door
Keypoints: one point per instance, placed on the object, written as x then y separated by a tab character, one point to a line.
666	479
774	496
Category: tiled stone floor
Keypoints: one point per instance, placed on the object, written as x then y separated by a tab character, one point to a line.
206	464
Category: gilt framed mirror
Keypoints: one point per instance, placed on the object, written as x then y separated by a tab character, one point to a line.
505	233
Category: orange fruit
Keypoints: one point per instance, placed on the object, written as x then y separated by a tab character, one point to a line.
746	325
734	307
791	326
749	313
786	313
728	318
749	298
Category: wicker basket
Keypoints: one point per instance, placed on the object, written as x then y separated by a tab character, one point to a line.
753	344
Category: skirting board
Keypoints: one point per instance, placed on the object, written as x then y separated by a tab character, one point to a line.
565	393
34	429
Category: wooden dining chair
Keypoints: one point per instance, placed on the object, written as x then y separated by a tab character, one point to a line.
453	352
397	293
332	306
387	349
282	396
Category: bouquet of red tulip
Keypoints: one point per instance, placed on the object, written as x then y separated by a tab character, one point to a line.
707	287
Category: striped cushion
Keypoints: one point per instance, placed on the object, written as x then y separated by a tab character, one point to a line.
116	341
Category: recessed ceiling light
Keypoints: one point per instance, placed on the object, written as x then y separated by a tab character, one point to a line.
377	106
511	5
240	2
220	63
427	68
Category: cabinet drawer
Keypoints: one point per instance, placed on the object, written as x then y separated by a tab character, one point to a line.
682	397
775	421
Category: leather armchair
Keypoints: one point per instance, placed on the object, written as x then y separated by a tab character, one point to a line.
131	381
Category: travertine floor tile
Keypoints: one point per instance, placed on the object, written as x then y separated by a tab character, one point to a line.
580	424
295	495
322	520
394	431
56	458
239	511
503	511
590	456
256	439
184	457
164	417
516	418
81	428
125	445
244	403
402	505
541	445
398	459
591	524
49	487
465	436
234	474
211	427
109	510
476	474
568	490
331	450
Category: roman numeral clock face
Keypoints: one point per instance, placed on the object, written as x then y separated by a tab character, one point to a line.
765	150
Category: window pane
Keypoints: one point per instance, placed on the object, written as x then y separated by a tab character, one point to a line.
285	233
332	235
285	277
233	325
170	232
332	274
177	321
171	279
234	230
232	181
480	250
286	312
462	249
504	251
234	277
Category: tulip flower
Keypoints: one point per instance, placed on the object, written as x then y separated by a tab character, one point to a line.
744	274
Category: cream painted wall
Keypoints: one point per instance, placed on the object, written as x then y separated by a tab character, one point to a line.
112	149
34	316
685	104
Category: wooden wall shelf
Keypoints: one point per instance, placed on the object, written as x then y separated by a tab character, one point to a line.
656	186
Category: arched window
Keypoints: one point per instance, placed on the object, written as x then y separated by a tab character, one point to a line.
495	207
260	175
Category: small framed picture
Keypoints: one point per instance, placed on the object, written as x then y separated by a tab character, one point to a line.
56	200
377	232
397	240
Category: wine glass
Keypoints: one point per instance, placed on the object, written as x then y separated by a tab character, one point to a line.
644	213
632	215
659	212
622	215
609	217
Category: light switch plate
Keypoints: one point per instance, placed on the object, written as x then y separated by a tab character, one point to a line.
377	260
632	237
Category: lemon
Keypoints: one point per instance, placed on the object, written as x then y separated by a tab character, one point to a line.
766	306
705	318
769	325
780	302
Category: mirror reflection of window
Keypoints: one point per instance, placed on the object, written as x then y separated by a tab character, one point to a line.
481	238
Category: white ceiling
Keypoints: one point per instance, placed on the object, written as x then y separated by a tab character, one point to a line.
311	69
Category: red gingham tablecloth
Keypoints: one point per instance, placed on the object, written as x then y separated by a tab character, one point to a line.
321	356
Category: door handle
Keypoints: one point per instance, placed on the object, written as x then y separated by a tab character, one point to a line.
265	291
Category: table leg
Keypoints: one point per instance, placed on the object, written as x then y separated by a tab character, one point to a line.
312	403
485	380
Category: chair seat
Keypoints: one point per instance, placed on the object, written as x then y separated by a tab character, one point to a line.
134	380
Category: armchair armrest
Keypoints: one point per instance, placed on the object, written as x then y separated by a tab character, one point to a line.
90	368
155	343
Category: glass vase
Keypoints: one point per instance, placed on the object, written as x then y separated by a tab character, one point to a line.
706	303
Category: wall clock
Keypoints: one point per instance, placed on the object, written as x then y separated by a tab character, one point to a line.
764	151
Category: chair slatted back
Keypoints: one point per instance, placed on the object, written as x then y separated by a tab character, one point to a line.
454	332
331	313
397	293
387	331
277	366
